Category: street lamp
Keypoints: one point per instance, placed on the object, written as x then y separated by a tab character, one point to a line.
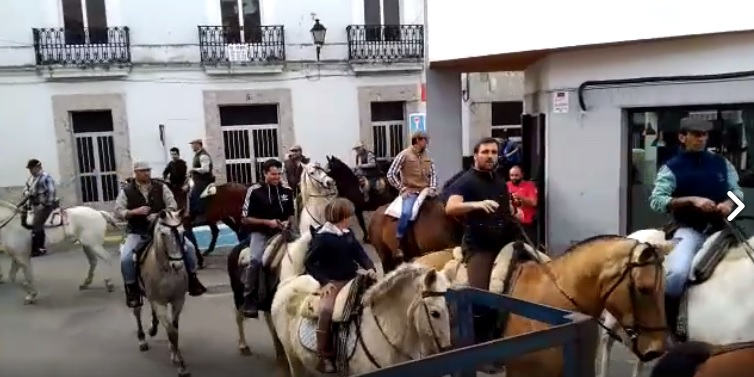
318	35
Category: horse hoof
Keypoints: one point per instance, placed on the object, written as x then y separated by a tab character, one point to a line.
143	347
245	351
184	374
152	331
83	287
30	300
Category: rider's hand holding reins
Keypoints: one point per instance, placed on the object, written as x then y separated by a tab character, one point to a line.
488	205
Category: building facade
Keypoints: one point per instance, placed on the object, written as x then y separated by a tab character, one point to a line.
89	86
602	109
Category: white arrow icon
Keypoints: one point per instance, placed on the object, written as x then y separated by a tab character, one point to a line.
739	206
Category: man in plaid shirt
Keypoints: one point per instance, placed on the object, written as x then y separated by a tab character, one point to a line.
41	197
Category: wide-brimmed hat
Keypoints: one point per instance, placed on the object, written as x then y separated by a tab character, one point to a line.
358	145
419	135
141	166
196	141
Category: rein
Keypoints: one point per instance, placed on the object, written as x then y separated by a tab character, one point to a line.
633	330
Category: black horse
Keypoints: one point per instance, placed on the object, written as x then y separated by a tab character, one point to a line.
349	187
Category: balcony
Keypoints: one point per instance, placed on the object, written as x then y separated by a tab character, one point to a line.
239	50
83	51
386	47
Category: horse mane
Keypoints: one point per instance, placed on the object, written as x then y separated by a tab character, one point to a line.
304	185
405	273
338	166
580	245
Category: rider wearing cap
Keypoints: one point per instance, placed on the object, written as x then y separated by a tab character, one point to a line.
40	194
692	186
139	203
201	174
366	167
411	172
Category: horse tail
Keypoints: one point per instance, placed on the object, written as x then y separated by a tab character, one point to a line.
682	360
110	219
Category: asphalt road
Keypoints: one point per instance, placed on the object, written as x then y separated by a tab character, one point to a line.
72	333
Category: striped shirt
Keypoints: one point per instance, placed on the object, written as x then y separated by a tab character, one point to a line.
394	173
40	189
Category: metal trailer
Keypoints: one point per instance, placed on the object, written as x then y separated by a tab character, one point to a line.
575	332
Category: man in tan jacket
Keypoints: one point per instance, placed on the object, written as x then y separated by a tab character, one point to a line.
411	172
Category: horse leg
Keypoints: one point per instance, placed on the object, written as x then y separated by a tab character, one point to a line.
188	233
154	326
279	350
143	345
215	231
362	225
99	251
1	275
31	287
243	347
92	259
176	357
606	345
14	267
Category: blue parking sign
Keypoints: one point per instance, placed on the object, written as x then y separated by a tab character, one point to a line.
417	122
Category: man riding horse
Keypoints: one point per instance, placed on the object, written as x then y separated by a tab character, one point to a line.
693	187
139	203
293	168
201	174
40	195
367	170
411	172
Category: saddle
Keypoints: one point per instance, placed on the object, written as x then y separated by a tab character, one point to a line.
394	209
344	308
210	190
58	217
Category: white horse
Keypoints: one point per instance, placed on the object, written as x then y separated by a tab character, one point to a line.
405	317
83	224
719	309
317	189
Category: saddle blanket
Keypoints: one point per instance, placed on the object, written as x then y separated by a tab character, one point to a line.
57	218
394	209
307	335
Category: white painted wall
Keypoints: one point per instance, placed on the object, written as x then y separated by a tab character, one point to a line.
486	27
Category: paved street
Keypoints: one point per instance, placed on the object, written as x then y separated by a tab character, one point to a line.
91	333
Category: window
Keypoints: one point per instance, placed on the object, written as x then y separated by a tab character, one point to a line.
383	19
85	22
653	140
388	128
250	137
94	139
241	26
506	119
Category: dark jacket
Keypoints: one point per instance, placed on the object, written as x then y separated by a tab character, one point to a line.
335	255
485	231
175	172
267	202
293	170
140	224
202	179
702	174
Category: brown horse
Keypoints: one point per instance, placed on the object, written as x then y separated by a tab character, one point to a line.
605	272
697	359
224	205
431	231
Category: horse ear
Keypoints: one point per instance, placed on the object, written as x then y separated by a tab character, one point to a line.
430	279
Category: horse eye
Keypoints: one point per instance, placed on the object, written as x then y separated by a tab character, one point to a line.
435	314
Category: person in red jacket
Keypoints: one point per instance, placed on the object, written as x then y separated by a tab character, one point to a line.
524	198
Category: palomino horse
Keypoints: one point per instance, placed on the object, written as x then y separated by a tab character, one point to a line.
281	259
83	224
697	359
222	202
164	280
402	317
350	187
430	230
317	189
613	273
715	310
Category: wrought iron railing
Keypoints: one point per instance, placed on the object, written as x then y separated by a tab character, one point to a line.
385	43
241	45
82	46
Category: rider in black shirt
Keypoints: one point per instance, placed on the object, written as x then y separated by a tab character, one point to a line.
481	195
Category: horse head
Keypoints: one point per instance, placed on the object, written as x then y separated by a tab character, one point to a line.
168	239
346	180
315	182
418	291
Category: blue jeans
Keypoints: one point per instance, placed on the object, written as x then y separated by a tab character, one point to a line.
195	203
257	242
679	260
128	266
406	211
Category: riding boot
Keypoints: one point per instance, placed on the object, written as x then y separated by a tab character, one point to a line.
38	244
133	295
250	309
324	343
196	288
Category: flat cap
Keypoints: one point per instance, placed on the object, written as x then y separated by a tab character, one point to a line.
695	124
196	141
141	165
33	163
420	135
294	147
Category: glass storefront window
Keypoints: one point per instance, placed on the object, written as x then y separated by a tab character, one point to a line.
653	139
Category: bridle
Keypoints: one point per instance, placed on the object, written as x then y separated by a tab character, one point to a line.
328	194
632	330
178	238
398	350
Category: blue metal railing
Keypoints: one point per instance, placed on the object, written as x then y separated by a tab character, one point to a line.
575	332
